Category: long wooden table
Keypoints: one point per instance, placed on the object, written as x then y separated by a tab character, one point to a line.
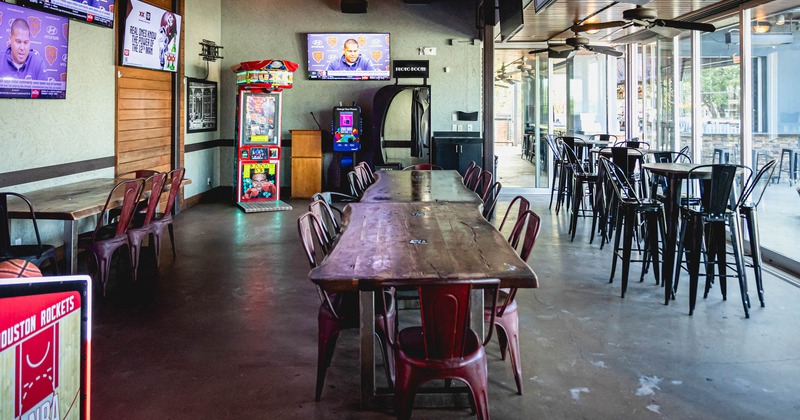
70	203
397	238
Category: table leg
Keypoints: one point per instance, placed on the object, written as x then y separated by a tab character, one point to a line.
366	331
671	212
70	246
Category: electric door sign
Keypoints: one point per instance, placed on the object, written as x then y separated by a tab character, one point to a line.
40	346
346	129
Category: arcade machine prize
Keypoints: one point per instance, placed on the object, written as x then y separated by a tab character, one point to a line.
346	129
258	133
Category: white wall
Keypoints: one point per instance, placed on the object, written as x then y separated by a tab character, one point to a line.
202	22
278	30
39	132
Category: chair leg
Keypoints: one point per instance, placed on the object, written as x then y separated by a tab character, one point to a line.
736	241
693	262
172	240
614	250
406	383
326	344
627	243
509	324
576	207
755	248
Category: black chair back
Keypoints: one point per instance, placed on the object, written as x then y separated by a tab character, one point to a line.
767	171
5	230
715	192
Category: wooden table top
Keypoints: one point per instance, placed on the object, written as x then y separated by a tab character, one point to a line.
424	186
72	201
381	242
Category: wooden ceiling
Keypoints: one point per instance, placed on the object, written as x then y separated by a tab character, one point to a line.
555	21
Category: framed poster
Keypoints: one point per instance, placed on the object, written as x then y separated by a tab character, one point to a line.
201	107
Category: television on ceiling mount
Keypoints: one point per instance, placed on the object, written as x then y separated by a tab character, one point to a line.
349	56
98	12
34	63
511	19
151	37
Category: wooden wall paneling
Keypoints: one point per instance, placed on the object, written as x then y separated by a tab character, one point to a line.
144	114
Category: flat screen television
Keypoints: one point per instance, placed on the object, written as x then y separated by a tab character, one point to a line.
34	46
349	56
45	346
151	37
98	12
511	19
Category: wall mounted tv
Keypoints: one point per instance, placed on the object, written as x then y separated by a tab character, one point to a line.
151	37
349	56
99	12
34	45
540	5
511	20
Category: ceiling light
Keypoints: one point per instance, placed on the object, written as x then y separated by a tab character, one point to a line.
780	20
592	31
761	27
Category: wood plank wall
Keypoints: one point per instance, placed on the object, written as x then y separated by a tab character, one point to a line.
144	111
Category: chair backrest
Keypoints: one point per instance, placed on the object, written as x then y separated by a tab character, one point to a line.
716	191
324	212
312	237
551	142
765	171
444	309
139	173
471	165
472	178
670	157
626	158
363	175
157	181
367	171
619	181
175	177
131	191
524	204
576	144
608	138
356	186
490	199
484	182
5	230
527	226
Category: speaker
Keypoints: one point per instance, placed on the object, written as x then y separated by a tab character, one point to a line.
354	6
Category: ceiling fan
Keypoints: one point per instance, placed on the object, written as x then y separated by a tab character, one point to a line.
645	18
574	44
507	76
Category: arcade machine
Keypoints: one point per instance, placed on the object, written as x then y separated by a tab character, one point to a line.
258	133
346	129
402	118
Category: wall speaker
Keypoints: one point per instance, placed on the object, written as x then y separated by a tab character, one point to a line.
354	6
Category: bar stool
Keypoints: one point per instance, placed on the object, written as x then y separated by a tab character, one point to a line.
757	155
748	206
792	164
721	155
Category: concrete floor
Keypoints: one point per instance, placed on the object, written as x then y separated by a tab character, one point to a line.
228	330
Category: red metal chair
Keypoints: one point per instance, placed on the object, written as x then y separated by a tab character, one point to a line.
162	220
143	227
472	177
339	311
105	239
506	318
330	225
484	182
489	198
368	171
443	347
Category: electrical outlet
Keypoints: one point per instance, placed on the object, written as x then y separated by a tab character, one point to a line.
454	127
18	241
455	117
208	181
460	127
428	50
469	127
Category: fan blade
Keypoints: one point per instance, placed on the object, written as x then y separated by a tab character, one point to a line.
603	50
636	2
597	26
561	48
532	52
692	26
665	32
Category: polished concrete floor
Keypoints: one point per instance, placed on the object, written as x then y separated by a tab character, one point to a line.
228	331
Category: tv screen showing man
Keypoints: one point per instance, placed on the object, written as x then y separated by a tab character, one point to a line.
349	56
34	62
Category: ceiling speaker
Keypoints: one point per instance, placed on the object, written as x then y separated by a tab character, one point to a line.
354	6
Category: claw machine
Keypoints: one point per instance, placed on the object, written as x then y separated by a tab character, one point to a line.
258	133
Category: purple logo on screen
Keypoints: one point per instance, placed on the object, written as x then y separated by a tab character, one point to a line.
346	120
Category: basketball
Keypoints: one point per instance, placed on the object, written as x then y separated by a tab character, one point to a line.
18	268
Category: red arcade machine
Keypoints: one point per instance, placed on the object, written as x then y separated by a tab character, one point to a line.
258	133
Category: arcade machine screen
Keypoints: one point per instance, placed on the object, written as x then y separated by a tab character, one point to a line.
258	181
346	129
45	342
258	118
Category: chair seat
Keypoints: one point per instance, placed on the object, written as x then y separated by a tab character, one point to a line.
104	233
412	348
